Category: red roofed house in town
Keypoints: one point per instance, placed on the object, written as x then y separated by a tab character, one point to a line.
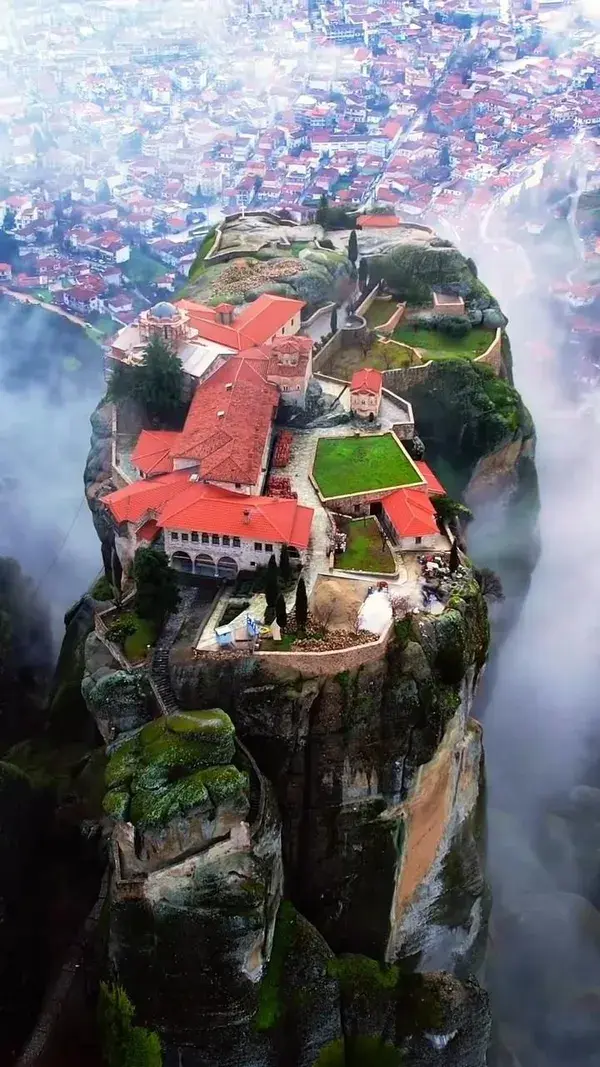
365	393
207	530
5	272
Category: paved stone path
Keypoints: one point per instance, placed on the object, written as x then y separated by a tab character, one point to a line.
191	602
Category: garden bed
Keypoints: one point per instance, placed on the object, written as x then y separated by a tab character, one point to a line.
347	465
366	549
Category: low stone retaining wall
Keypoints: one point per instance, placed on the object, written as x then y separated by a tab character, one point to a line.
317	664
492	356
370	299
316	315
392	322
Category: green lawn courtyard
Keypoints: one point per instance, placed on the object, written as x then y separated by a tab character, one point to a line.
346	465
439	345
136	644
366	549
379	312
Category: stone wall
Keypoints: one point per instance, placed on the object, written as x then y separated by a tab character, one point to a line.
493	355
403	378
320	664
389	326
323	358
370	299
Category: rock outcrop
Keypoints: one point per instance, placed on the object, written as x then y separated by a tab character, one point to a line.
362	796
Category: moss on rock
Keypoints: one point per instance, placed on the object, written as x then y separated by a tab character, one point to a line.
174	765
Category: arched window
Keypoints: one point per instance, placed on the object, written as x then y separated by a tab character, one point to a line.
180	561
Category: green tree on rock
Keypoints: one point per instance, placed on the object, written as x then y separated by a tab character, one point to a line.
157	593
272	583
157	385
353	247
301	606
123	1044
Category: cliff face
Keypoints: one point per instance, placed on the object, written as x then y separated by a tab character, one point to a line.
364	810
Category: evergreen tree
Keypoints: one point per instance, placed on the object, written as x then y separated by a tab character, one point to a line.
269	615
353	247
301	606
281	611
157	385
157	592
285	567
363	273
272	582
322	211
334	322
103	194
454	559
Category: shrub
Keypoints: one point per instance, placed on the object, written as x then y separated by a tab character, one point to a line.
123	1044
455	326
102	589
121	629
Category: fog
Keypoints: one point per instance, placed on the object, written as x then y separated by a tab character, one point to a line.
50	381
540	708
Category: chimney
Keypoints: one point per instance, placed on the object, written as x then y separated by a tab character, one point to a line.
220	414
247	516
224	314
229	386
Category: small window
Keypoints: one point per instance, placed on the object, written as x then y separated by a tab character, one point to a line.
215	539
195	537
174	537
268	548
204	539
418	540
258	546
226	540
238	485
185	537
236	542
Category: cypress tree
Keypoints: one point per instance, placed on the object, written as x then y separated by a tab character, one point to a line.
352	247
272	582
301	606
334	323
454	559
281	611
363	273
285	567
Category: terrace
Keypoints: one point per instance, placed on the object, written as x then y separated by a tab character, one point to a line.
345	466
366	547
435	344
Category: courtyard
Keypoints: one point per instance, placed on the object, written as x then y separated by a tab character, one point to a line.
366	548
347	465
435	344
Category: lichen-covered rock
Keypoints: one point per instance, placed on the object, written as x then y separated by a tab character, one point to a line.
196	887
177	766
118	700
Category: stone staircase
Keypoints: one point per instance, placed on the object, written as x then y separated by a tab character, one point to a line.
159	667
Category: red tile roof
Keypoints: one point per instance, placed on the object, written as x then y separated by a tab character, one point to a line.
432	485
181	504
377	222
411	513
366	381
152	453
264	318
228	424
